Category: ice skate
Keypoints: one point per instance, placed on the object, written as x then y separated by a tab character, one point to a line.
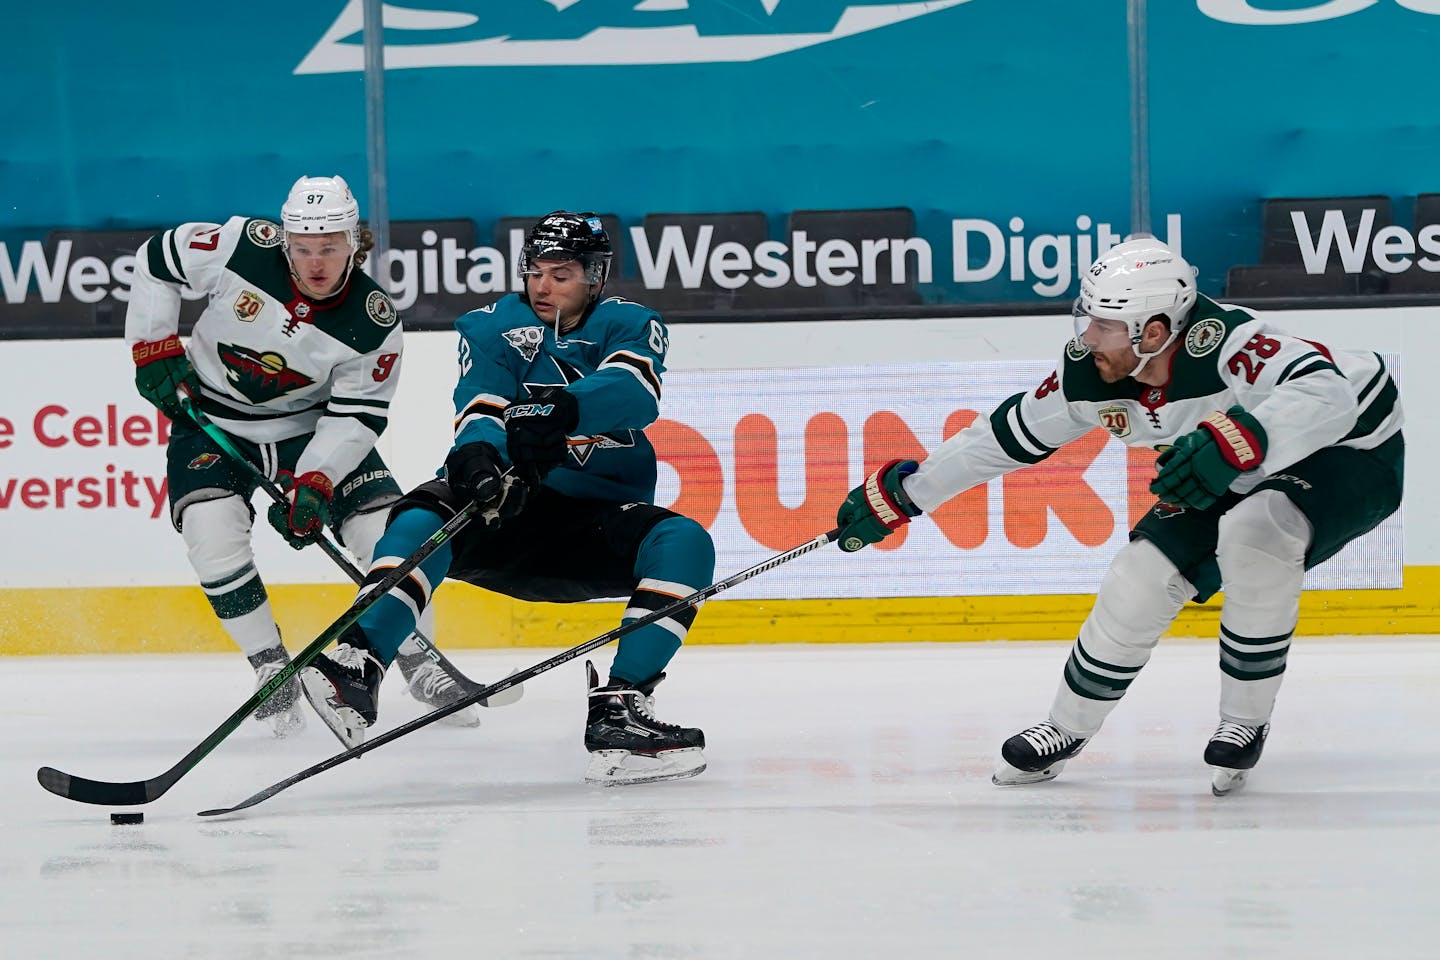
433	685
1035	754
282	711
627	744
344	687
1233	751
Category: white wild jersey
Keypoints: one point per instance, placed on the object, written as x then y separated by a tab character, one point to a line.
1304	394
273	363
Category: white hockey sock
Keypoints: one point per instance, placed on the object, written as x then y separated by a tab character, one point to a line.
1138	600
1261	554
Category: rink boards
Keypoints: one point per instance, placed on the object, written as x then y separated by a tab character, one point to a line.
764	428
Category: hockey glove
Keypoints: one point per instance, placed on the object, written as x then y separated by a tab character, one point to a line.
476	472
160	370
876	508
1202	464
302	520
537	431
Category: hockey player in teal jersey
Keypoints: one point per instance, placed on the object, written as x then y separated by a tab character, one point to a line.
555	389
294	358
1276	453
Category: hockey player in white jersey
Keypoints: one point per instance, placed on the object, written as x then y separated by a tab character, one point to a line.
1276	452
296	358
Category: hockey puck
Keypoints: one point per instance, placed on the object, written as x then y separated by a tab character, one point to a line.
124	818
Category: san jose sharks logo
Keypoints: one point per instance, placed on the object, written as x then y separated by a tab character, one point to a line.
260	376
556	33
582	447
527	340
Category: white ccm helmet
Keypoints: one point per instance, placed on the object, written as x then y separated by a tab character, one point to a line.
1133	282
322	205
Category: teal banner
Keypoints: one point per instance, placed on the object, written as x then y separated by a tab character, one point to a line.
728	142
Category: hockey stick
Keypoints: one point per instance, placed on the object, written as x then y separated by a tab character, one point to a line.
222	440
109	793
539	668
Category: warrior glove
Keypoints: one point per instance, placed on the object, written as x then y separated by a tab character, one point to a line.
302	519
1200	467
876	508
161	369
537	431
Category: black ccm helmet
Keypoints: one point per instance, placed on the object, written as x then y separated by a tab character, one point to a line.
570	236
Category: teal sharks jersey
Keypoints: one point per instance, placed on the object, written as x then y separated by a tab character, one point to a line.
613	364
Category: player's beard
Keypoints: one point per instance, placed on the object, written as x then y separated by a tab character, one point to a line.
1115	365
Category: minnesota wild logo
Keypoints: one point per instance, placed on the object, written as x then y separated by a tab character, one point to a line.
260	376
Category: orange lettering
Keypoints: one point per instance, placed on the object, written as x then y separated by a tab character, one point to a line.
962	518
1139	471
702	482
1058	484
757	489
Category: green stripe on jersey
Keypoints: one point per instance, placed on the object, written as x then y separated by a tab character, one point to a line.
1015	449
155	258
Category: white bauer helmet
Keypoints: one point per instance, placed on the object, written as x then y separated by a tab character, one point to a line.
1133	282
322	205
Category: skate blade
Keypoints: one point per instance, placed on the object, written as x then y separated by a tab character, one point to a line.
1226	781
344	722
287	723
469	717
614	768
1008	776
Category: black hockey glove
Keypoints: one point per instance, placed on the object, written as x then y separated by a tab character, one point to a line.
537	431
476	472
876	508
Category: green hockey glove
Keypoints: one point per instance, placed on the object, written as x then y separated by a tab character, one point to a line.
161	368
876	508
1202	464
302	521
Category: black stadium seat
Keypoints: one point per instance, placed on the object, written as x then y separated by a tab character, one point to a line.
1279	243
1287	280
748	229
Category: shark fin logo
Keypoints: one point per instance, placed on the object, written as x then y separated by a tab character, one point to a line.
546	33
260	376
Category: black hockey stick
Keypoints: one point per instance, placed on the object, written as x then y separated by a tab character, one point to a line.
114	794
221	440
668	610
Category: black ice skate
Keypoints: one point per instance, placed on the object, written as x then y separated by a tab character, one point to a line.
433	685
1233	751
1035	754
627	744
344	687
282	711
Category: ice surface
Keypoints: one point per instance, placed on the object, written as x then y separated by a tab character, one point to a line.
847	812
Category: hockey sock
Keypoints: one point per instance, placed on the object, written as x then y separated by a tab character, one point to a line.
1138	600
1261	554
389	620
675	559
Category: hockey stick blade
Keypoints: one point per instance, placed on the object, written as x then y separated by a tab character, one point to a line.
515	678
113	794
